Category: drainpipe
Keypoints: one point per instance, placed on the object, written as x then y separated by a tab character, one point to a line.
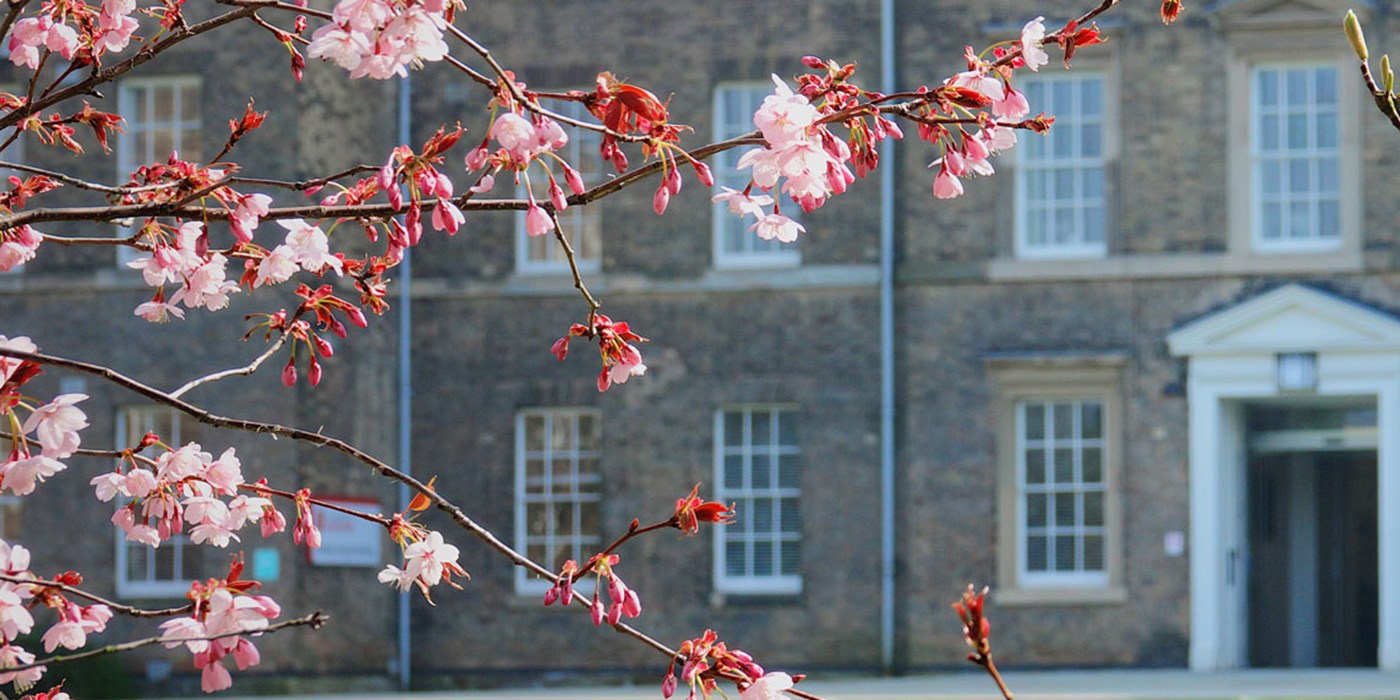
887	370
405	389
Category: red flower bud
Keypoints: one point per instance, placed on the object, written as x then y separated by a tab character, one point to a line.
289	373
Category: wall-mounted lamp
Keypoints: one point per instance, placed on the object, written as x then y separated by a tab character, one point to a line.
1297	371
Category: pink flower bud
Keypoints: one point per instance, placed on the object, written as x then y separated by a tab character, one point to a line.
813	62
673	181
596	613
560	349
668	685
537	221
661	199
703	174
313	371
385	179
550	596
566	594
323	346
556	195
395	198
632	604
573	178
289	373
356	317
476	158
619	160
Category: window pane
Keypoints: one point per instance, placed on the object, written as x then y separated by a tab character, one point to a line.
734	471
1037	558
1064	510
1035	421
1091	463
1091	417
787	471
734	561
1093	509
1036	510
1065	551
763	558
762	471
790	560
1064	420
762	516
1035	466
791	517
1064	465
1093	553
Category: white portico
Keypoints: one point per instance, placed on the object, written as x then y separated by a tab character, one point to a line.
1294	400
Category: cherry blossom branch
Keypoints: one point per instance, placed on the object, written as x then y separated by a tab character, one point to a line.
245	370
453	511
118	607
269	491
569	256
99	76
314	620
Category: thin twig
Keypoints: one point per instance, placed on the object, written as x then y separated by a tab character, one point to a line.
118	607
314	621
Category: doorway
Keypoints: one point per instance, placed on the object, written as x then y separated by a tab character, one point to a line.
1312	572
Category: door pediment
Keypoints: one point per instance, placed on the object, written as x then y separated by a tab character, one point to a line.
1292	318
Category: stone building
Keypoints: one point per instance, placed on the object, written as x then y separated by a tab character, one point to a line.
1141	382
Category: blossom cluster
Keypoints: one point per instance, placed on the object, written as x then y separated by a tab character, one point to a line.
520	142
706	658
18	600
73	30
622	600
224	610
621	359
427	559
382	38
184	486
51	427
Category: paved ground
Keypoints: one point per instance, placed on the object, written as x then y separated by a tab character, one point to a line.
1057	685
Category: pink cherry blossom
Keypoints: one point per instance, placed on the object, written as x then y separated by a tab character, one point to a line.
1031	51
158	311
425	559
68	634
946	185
21	476
777	226
56	425
1012	105
12	655
769	687
537	220
8	365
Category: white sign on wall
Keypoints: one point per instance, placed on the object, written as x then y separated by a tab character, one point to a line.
345	539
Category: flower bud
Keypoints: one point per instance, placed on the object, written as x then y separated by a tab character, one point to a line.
596	613
289	373
356	317
703	174
550	596
1354	36
556	195
573	178
1387	76
661	199
313	371
813	62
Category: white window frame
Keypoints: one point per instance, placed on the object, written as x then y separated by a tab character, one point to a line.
581	149
179	584
740	529
581	545
1316	240
757	252
1049	444
1066	126
1295	39
1033	378
127	160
